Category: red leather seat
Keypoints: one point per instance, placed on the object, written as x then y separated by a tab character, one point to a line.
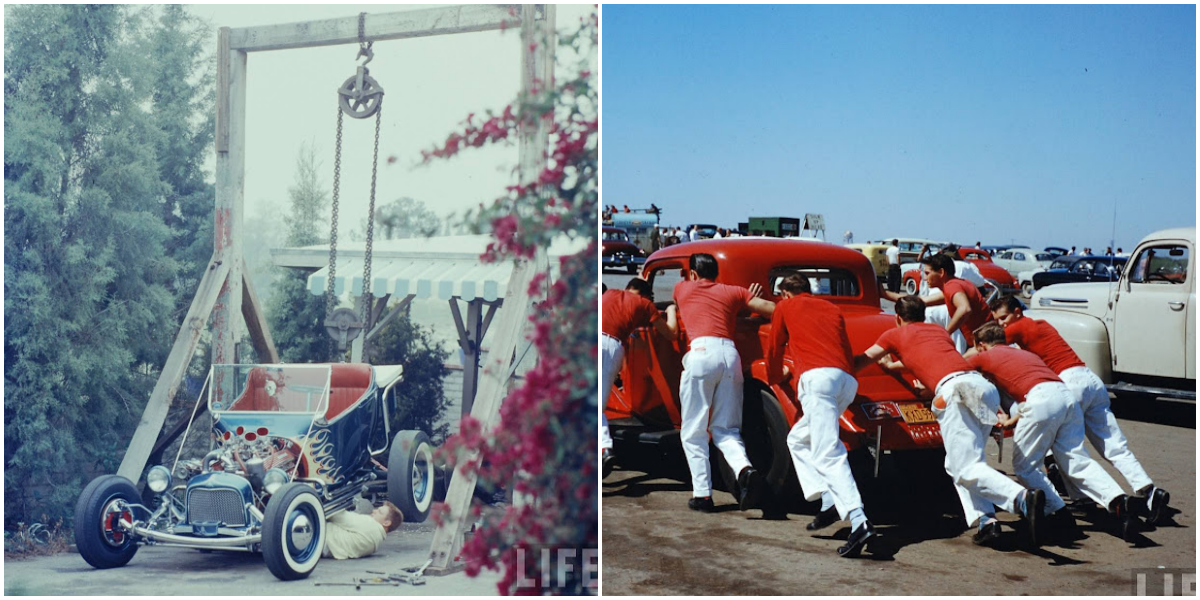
347	384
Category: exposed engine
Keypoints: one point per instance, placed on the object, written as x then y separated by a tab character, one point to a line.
249	458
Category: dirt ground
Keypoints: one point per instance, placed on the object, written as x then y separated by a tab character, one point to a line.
162	571
653	545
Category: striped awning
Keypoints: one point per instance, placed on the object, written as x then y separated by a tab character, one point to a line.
439	267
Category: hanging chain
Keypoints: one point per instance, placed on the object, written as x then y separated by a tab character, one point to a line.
330	299
366	292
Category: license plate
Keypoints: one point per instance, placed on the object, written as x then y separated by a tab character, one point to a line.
917	413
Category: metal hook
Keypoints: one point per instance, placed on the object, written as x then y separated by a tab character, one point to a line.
364	47
367	52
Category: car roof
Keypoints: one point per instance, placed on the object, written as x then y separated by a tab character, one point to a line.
1177	233
614	230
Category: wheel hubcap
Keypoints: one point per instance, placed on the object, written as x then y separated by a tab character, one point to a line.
301	532
110	528
420	478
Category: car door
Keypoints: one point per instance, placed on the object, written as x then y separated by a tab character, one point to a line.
653	365
1151	311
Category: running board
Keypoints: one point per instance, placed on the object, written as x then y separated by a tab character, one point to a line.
1156	391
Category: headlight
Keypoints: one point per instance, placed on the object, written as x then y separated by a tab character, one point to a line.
159	478
274	479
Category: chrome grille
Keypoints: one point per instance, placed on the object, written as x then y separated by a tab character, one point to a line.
222	505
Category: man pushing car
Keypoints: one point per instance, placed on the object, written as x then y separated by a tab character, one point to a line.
814	332
965	405
712	378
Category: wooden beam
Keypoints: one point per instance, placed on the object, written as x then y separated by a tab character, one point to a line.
391	316
464	338
537	55
470	382
256	322
230	183
487	319
377	27
222	138
173	371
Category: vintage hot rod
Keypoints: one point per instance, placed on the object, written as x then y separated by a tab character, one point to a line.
290	445
887	415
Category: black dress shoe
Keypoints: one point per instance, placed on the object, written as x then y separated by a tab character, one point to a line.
987	535
857	541
749	487
608	463
1156	505
824	519
1124	509
704	504
1035	505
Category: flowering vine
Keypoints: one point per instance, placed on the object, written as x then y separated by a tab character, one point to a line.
545	444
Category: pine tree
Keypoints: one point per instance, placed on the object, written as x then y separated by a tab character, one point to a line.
86	275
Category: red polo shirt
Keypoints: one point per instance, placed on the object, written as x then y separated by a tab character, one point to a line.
1015	371
625	311
815	333
1042	339
708	308
926	350
979	309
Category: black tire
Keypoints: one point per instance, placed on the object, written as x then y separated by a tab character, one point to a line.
291	548
98	543
764	431
632	269
1027	289
911	287
411	475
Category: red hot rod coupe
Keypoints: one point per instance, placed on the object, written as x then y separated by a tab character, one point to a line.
290	445
887	414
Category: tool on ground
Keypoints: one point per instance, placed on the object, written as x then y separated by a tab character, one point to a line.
411	575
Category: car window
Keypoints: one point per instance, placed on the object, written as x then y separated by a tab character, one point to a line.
662	277
824	282
1060	264
1044	256
1006	255
1018	255
1166	264
615	236
1084	267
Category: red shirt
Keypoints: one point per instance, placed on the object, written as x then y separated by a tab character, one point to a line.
1042	339
625	311
979	309
709	308
926	350
815	332
1015	371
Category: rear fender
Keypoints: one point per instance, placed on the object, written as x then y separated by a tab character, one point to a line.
1087	336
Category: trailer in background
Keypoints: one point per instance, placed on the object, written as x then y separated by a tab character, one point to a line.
640	225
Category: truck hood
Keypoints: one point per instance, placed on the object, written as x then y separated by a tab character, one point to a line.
1089	298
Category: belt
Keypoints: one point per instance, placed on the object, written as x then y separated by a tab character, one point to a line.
937	389
711	339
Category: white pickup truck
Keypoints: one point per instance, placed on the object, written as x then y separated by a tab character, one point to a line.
1139	333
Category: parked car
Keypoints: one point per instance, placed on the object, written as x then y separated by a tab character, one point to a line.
877	254
1138	334
703	231
972	264
1016	260
994	250
1055	251
888	414
620	253
291	445
1077	269
910	248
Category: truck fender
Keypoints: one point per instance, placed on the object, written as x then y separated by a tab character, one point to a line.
1087	336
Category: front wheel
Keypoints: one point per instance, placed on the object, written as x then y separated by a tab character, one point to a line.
910	286
1027	289
98	535
293	533
411	475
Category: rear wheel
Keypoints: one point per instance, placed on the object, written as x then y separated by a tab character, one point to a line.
910	286
98	535
1027	289
411	475
293	533
764	431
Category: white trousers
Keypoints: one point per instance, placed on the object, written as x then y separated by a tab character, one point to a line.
711	381
940	315
817	450
980	488
1051	421
612	354
1101	426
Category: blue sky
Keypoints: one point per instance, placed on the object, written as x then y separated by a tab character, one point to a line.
992	123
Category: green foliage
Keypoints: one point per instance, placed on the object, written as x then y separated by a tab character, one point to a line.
87	280
405	218
297	320
306	223
422	403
